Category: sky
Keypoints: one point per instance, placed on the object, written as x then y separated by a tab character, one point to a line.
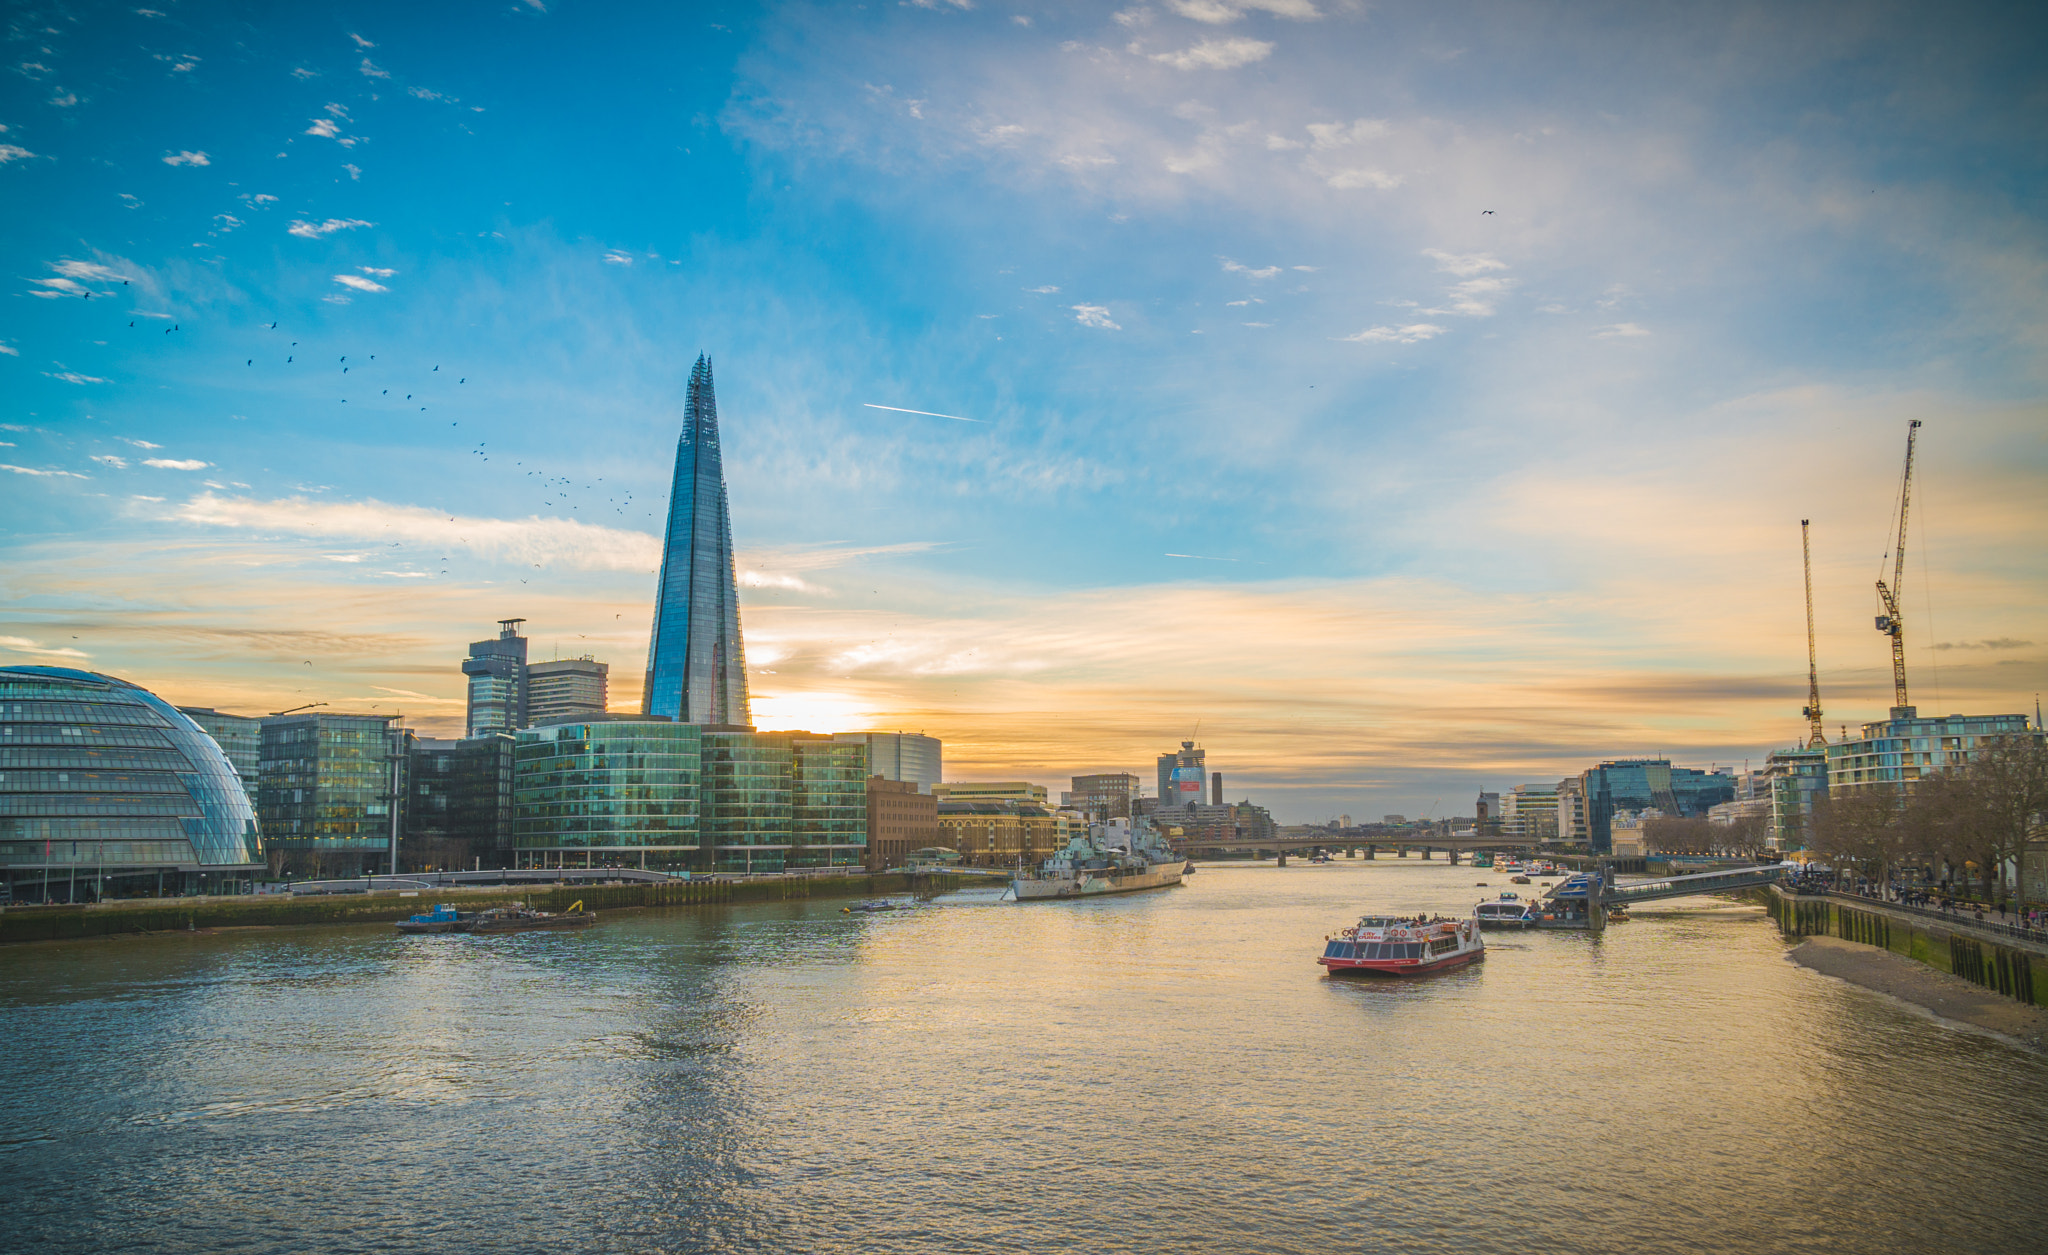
1400	399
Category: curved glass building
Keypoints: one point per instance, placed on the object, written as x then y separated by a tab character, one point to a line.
106	790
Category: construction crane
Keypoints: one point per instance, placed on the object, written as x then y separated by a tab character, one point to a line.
1893	623
294	710
1818	736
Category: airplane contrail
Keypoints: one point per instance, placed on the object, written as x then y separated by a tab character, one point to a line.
927	413
1202	557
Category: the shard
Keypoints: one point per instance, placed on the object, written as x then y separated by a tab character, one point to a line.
696	667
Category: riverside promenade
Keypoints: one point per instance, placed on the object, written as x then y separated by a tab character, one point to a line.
2006	958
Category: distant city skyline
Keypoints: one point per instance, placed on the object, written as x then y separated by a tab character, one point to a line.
1420	401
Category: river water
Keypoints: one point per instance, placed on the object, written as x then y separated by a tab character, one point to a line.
1166	1072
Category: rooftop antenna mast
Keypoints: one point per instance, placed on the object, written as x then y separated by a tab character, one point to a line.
1892	622
1817	736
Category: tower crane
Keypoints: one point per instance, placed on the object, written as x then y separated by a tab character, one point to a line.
1892	622
1817	737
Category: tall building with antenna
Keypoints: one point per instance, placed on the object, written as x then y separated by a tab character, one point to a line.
696	667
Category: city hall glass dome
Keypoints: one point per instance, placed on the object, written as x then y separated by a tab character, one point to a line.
104	780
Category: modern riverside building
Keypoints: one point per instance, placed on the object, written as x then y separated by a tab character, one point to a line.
497	681
651	792
1898	751
240	737
565	688
1105	797
325	788
615	791
1797	779
1181	776
1639	784
106	790
458	803
696	666
901	818
1528	813
909	756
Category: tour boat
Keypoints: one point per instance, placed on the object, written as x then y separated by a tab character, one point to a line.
1506	912
1396	946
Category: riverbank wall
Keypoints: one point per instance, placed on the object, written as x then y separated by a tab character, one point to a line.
2017	971
178	915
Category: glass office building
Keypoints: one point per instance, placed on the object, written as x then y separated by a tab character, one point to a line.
828	801
497	681
747	825
326	785
616	791
106	790
696	667
1637	784
458	803
240	737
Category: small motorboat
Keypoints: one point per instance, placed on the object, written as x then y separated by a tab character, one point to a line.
1189	870
513	919
1619	915
877	904
1518	880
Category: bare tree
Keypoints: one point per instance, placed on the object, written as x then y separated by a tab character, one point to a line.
1861	827
2006	789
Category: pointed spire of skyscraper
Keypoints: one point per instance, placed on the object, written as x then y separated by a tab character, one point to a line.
696	667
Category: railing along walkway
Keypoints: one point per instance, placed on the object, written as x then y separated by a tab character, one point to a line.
2035	937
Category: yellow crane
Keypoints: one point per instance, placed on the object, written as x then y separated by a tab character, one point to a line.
1892	623
1818	737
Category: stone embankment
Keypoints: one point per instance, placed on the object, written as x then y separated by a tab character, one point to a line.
178	915
1976	976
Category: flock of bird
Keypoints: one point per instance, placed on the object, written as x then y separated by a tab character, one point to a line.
555	490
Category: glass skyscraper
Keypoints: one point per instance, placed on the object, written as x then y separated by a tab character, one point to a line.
696	668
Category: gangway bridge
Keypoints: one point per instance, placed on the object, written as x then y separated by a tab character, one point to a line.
1612	894
1629	892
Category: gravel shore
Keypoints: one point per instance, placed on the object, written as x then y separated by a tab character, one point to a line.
1948	997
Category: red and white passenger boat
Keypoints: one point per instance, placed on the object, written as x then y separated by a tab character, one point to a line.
1398	946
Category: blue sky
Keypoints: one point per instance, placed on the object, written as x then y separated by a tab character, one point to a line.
1473	498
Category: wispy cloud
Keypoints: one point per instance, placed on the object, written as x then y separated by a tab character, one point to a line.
187	159
1464	264
1239	268
1621	330
140	444
1413	333
72	376
360	284
549	541
116	461
370	70
1219	12
176	464
618	257
1095	316
30	470
314	230
1217	54
23	645
13	152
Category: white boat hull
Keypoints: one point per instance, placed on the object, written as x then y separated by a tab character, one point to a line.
1090	884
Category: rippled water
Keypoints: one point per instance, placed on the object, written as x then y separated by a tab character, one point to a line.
1165	1072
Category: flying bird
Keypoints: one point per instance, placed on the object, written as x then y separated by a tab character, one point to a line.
250	362
273	326
1484	212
